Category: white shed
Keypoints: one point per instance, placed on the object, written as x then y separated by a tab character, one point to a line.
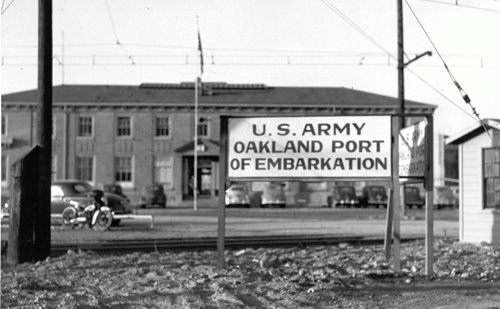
479	181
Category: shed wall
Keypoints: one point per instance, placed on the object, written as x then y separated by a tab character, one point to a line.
476	223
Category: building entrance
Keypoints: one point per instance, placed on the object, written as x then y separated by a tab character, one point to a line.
207	177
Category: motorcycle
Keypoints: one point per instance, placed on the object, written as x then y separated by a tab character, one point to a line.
97	218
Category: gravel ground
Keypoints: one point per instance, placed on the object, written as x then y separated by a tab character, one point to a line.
344	276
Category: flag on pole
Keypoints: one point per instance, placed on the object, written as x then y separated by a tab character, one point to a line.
201	51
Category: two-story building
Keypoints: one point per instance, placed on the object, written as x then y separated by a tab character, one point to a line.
137	135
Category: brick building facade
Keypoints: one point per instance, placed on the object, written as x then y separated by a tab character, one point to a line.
137	135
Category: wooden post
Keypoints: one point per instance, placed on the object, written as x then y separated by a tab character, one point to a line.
23	201
388	226
44	131
395	194
222	193
429	198
401	65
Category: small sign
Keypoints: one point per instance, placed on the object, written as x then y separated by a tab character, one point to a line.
309	147
412	140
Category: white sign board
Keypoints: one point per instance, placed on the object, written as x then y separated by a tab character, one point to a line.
412	150
309	147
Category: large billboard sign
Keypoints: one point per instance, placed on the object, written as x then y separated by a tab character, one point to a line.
309	147
412	150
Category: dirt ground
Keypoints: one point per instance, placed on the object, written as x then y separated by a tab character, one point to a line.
343	276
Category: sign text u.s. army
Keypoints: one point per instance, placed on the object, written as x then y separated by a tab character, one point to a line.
309	147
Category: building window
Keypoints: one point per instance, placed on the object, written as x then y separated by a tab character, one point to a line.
54	168
4	170
203	127
85	126
54	127
4	125
123	169
162	126
491	159
85	168
163	172
123	126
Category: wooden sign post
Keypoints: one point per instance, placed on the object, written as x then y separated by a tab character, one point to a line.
429	199
416	164
300	148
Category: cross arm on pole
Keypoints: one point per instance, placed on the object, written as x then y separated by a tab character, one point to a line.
429	53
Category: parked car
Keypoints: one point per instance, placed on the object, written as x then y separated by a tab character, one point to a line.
63	192
413	197
116	189
444	197
153	195
238	195
273	195
343	196
373	196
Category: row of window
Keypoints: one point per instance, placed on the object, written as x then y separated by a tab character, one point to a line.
123	170
162	126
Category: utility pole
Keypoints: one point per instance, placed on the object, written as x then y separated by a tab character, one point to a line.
401	66
44	130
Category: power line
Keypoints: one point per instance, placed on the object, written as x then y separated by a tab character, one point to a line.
126	53
356	27
465	6
440	93
464	94
145	59
4	8
367	36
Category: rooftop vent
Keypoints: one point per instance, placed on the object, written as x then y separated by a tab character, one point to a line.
206	85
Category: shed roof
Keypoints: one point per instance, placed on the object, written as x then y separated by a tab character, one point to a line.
474	131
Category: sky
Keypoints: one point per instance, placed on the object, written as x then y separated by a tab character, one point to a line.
314	43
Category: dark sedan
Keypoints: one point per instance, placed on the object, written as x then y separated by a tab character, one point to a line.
373	196
343	196
153	195
63	192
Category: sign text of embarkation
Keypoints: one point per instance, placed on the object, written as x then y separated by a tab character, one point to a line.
309	147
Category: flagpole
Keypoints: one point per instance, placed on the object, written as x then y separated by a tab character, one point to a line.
195	182
196	93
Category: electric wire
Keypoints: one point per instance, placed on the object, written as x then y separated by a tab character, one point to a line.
356	27
125	51
3	4
325	2
464	94
464	6
366	35
440	93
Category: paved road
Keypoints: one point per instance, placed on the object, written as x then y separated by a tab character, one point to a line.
187	223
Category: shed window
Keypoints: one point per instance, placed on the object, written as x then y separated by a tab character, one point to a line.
491	159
